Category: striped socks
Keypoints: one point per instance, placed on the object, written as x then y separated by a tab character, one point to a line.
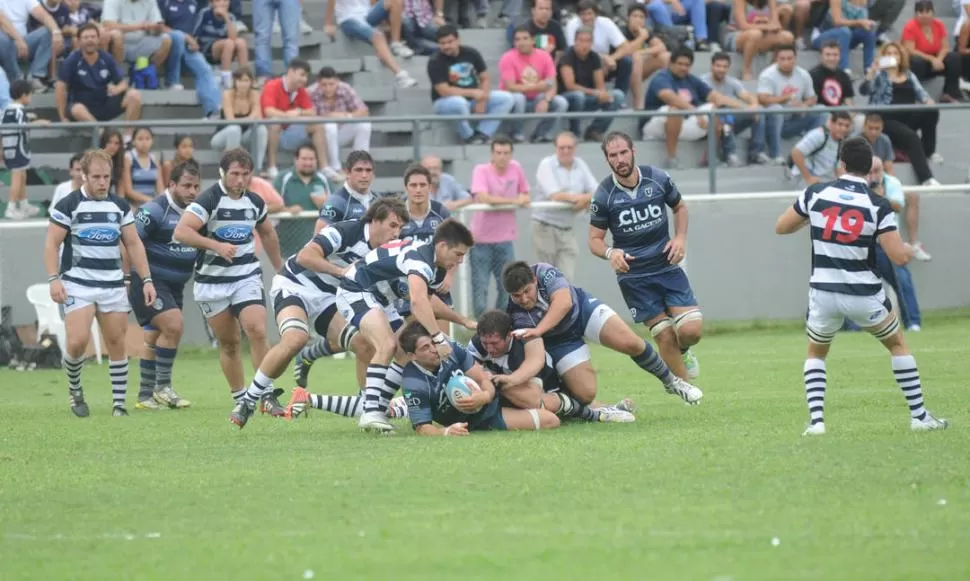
907	377
319	348
261	383
345	405
72	367
392	382
815	380
146	373
164	359
119	382
651	362
374	387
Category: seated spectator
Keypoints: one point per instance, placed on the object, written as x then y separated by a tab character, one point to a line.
795	15
583	79
718	16
666	13
4	89
359	20
242	102
286	97
650	52
924	37
336	99
882	147
180	18
62	17
184	151
530	76
65	188
608	42
832	83
815	158
848	23
37	47
676	88
460	85
755	29
737	97
420	23
113	144
302	188
885	13
546	31
444	187
90	84
785	84
268	14
143	28
219	40
112	41
144	171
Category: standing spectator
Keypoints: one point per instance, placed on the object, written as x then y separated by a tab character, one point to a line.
785	84
755	29
562	177
650	52
501	182
608	42
666	13
848	23
141	23
219	41
265	13
90	85
925	38
4	90
832	84
444	187
738	97
180	17
530	75
37	47
65	188
460	85
420	25
144	171
286	97
336	99
302	188
15	149
583	79
242	102
359	20
816	156
546	31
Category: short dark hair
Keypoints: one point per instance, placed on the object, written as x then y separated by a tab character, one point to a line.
856	155
871	116
305	147
583	30
20	88
784	47
841	116
720	56
516	275
522	28
180	137
638	7
501	140
682	52
613	136
358	156
188	167
494	322
416	170
446	31
830	44
452	233
300	64
923	6
76	158
585	5
327	72
236	155
410	335
384	207
89	25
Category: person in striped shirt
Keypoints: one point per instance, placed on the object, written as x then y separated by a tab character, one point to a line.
846	221
87	278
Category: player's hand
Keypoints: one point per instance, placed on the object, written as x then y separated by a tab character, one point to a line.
226	251
473	402
619	261
527	334
443	349
148	289
675	249
501	381
58	294
22	50
457	429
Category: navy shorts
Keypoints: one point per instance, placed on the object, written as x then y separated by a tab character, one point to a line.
168	296
650	295
108	109
489	418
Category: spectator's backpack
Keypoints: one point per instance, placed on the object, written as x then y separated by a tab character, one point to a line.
143	75
674	37
790	163
10	345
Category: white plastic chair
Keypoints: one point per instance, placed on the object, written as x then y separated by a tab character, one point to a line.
49	318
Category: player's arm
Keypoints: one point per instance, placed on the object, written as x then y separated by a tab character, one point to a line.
597	245
421	307
136	251
560	303
887	234
532	365
445	313
57	230
790	222
420	413
189	227
478	398
314	257
271	243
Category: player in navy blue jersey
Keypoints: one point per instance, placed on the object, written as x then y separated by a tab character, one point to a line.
171	265
355	196
427	375
631	204
15	141
544	304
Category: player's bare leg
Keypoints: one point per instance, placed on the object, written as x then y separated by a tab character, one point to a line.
531	419
229	336
688	326
530	395
114	326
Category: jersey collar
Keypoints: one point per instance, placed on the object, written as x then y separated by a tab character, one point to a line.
367	235
173	204
425	371
635	189
852	178
359	196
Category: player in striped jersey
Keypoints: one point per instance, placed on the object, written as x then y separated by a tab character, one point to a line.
88	280
366	296
223	222
846	221
355	196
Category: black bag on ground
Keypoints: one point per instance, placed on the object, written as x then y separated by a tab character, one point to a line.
10	344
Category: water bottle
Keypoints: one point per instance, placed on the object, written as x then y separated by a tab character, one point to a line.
690	37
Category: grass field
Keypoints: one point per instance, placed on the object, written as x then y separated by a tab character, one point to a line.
684	493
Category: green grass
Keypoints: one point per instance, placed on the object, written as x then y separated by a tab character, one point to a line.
684	493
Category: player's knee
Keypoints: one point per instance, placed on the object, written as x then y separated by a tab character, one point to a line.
819	337
689	327
294	333
171	328
663	332
547	420
76	346
230	348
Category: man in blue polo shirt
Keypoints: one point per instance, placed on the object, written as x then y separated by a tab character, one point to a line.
90	85
180	18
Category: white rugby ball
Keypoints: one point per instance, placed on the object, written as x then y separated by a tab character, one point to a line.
460	386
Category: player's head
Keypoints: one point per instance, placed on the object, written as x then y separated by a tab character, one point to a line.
21	91
620	153
417	184
305	162
840	125
495	332
96	168
297	74
220	5
856	156
184	147
876	173
184	183
360	171
235	169
501	152
416	343
74	166
89	37
520	282
452	241
386	217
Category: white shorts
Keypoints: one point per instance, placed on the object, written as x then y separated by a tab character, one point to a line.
216	298
569	354
107	300
353	306
284	292
691	130
827	311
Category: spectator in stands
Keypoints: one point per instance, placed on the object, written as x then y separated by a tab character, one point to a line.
336	99
302	188
113	144
144	171
359	20
755	29
180	19
286	97
562	177
530	76
112	41
816	155
242	102
885	13
219	41
460	85
17	44
614	51
265	13
4	90
65	188
444	187
546	31
650	53
831	82
266	191
785	84
737	97
141	23
62	17
676	88
666	13
15	149
500	182
420	24
583	78
91	86
184	151
848	23
925	38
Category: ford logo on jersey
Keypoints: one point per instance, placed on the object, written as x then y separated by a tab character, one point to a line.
98	234
234	233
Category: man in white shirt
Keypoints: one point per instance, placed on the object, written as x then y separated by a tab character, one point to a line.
65	188
562	177
36	47
141	23
608	41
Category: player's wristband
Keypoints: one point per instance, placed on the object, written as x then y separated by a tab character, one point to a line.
438	338
146	280
609	253
52	278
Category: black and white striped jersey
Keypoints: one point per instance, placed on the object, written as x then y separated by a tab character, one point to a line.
382	269
846	219
92	248
342	243
233	221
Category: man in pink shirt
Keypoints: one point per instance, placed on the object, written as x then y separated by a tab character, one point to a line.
530	75
501	182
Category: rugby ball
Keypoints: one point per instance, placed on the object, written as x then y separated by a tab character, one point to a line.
460	386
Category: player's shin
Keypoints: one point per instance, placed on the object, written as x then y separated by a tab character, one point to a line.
650	361
350	406
815	383
147	373
567	407
294	333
